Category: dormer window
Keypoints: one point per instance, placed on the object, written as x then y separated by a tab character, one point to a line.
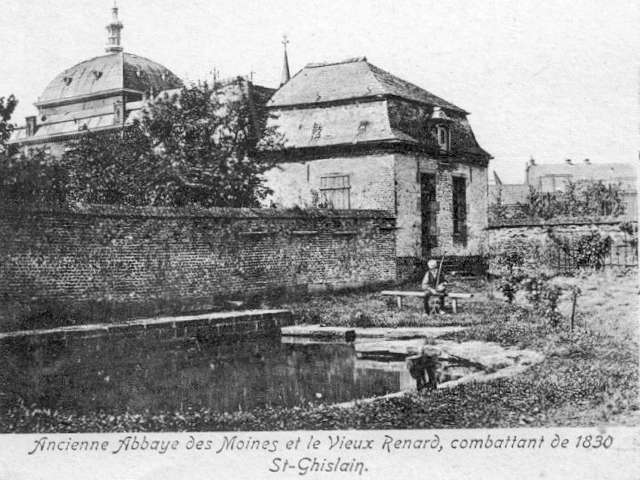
316	131
444	139
362	130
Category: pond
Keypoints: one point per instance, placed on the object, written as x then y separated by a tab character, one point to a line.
117	374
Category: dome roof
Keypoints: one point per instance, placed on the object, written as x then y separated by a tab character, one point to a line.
108	73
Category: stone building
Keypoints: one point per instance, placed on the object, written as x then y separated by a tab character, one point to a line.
100	94
359	137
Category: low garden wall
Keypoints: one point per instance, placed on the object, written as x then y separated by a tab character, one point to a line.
534	241
152	257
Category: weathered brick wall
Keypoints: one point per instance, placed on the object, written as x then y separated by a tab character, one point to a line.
136	254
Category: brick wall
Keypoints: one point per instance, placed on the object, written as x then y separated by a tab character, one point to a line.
138	254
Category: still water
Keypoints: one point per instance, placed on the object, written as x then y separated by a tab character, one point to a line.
116	374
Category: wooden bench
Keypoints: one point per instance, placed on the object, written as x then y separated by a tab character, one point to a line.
400	294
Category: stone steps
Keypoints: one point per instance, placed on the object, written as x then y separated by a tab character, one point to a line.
321	331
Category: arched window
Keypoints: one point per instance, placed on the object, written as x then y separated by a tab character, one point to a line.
444	141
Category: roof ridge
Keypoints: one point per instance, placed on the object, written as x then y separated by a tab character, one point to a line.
340	62
376	71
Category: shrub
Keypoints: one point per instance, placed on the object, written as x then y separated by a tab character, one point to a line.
587	250
510	256
630	229
508	286
582	198
539	292
543	296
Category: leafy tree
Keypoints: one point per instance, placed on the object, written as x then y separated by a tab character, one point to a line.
7	108
31	180
199	147
34	180
108	167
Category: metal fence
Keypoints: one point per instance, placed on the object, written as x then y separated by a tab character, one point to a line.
620	255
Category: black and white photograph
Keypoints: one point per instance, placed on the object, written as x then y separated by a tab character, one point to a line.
392	227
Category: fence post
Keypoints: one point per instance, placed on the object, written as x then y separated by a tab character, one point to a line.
573	308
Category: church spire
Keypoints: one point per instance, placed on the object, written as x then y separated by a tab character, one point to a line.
285	76
114	30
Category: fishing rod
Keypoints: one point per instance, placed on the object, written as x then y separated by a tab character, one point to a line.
439	270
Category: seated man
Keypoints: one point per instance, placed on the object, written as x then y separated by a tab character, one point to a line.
434	286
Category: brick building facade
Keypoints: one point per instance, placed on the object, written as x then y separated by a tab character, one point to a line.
358	137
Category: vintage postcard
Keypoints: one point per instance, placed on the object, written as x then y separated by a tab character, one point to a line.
283	239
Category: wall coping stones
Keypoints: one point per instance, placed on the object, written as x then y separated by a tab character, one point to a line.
169	321
197	212
560	221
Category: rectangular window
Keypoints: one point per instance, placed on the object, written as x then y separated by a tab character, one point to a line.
429	207
334	191
460	208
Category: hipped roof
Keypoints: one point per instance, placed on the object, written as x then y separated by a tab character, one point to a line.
355	78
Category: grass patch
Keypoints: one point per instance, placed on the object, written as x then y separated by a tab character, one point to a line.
588	377
367	308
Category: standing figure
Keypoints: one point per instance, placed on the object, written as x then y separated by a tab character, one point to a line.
434	285
422	365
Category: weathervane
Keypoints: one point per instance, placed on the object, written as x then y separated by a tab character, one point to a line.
285	75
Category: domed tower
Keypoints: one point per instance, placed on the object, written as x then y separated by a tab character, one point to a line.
100	94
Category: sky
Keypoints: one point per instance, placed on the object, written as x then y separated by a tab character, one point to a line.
549	80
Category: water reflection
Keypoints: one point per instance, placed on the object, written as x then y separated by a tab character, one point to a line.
141	373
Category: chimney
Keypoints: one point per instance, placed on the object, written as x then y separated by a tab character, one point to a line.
587	161
568	161
31	125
